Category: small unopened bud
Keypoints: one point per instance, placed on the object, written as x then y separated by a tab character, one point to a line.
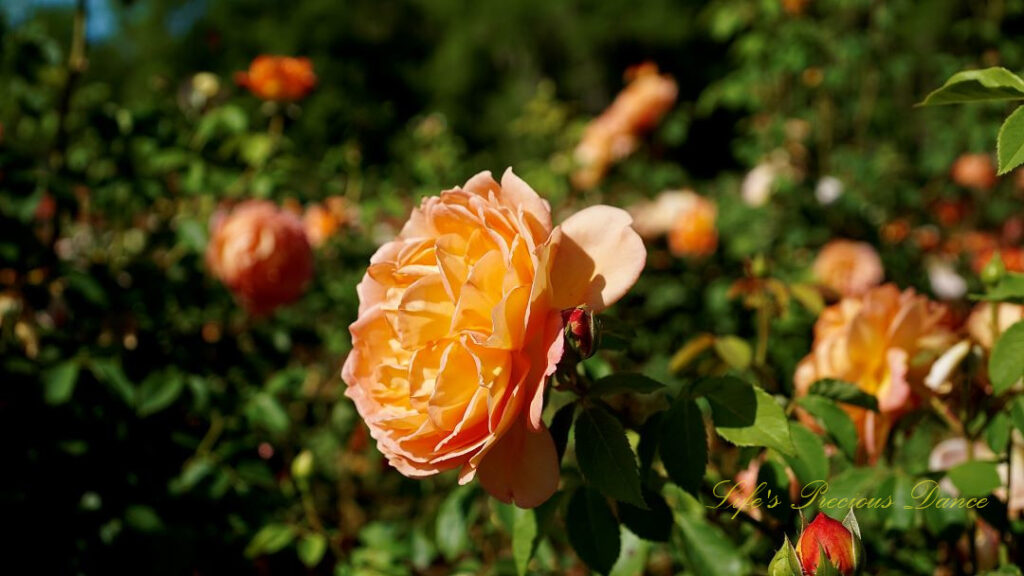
580	330
994	270
828	540
302	466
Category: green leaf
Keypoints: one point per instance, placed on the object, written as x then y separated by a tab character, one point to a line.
59	382
683	444
592	530
990	84
527	530
1017	414
1010	288
524	538
604	456
975	479
848	485
809	461
734	351
997	433
311	549
1006	364
785	562
633	557
270	539
110	373
142	518
654	524
1010	145
452	525
809	296
264	410
845	392
770	427
625	382
898	517
835	420
708	551
158	391
942	521
733	400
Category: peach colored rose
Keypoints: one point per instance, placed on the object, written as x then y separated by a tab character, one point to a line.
694	233
850	268
278	78
615	133
261	254
654	218
979	323
870	342
460	325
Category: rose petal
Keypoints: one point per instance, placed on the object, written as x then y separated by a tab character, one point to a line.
598	257
522	467
519	194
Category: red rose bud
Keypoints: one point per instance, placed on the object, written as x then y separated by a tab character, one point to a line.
831	539
580	330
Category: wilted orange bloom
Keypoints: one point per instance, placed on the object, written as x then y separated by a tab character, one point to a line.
979	323
278	78
261	254
850	268
615	133
460	323
870	342
694	232
976	171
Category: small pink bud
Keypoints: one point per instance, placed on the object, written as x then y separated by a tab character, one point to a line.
580	330
830	536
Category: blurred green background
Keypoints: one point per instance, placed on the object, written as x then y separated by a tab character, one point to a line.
152	426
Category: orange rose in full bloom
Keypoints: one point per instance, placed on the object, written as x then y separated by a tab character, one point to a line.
460	325
278	78
693	232
615	133
870	341
850	268
261	254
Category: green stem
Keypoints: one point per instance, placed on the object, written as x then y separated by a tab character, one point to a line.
994	320
76	66
763	331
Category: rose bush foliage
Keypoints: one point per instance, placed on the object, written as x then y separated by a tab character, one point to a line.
804	306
